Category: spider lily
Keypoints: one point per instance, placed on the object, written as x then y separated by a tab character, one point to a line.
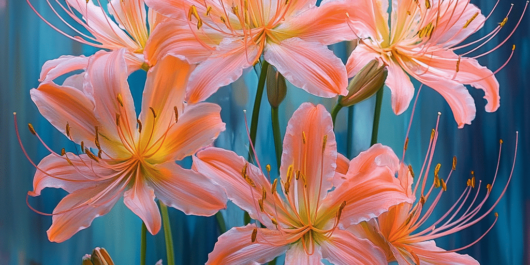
120	154
422	41
320	192
227	37
126	24
402	232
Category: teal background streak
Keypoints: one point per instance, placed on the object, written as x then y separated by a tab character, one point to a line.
26	43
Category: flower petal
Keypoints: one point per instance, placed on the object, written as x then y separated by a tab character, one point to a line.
169	8
222	68
429	253
66	106
317	163
62	65
343	164
344	248
359	58
132	16
107	74
296	255
77	210
140	198
401	87
236	246
453	20
164	90
174	37
366	196
197	127
56	172
225	168
186	190
310	66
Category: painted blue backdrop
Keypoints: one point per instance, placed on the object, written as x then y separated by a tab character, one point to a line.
26	43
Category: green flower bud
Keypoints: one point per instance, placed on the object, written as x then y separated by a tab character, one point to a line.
366	83
276	87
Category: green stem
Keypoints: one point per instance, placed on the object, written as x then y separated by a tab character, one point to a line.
143	245
335	111
277	135
349	136
257	105
273	262
167	234
377	115
220	222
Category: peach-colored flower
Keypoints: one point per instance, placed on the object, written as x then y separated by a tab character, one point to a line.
126	25
322	192
402	232
228	37
422	41
123	155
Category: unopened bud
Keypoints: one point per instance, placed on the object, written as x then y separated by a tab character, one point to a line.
366	83
99	257
276	87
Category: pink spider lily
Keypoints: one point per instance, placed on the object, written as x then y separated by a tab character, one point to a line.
227	37
123	155
422	41
124	24
305	219
402	231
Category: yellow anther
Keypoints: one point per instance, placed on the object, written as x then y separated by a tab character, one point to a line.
436	182
223	19
250	182
92	156
408	13
501	141
268	167
153	111
120	99
458	64
274	184
298	175
68	160
303	179
503	22
468	183
193	11
303	138
471	20
437	170
260	202
235	10
118	119
454	162
139	126
473	182
341	208
406	146
82	146
427	5
289	173
432	134
422	200
99	153
208	10
31	129
63	152
67	129
244	170
411	171
488	187
263	193
96	140
199	24
176	110
496	215
444	186
254	235
324	142
513	47
274	221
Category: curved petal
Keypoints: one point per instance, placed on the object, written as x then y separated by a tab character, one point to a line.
236	246
174	37
132	16
186	190
197	127
56	172
326	24
343	164
370	230
359	58
164	90
400	86
140	198
107	74
308	130
77	210
62	65
310	66
429	253
63	107
366	196
225	168
222	68
452	21
169	8
296	255
344	248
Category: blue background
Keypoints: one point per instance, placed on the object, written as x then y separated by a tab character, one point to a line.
26	43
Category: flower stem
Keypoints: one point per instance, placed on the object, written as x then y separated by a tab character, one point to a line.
167	234
377	115
220	222
257	105
349	136
277	135
143	245
335	111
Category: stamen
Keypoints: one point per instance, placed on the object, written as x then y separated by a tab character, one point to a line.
153	111
458	64
454	162
444	186
99	153
92	156
254	235
120	99
303	137
503	22
208	10
177	112
268	167
117	119
260	202
488	187
139	126
82	146
31	129
263	193
63	152
406	146
411	171
324	142
96	141
273	188
427	5
68	129
471	20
